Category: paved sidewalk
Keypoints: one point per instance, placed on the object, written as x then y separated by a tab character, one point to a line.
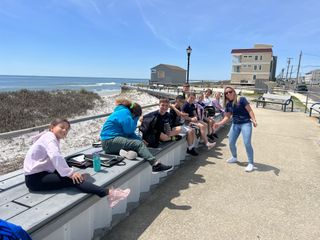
209	199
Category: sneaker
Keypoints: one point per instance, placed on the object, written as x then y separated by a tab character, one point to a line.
116	195
192	152
250	167
128	154
161	168
232	160
215	135
210	136
210	145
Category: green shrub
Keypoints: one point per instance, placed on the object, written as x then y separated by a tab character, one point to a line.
25	108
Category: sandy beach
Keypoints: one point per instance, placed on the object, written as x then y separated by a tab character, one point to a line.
81	135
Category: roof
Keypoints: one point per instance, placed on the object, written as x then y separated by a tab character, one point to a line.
251	50
172	67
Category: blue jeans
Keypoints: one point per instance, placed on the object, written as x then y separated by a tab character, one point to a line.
246	129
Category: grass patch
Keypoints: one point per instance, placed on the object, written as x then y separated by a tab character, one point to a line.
297	104
26	108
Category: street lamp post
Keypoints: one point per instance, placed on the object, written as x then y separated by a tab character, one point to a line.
189	49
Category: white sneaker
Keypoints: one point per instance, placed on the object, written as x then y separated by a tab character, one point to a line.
232	160
250	168
210	145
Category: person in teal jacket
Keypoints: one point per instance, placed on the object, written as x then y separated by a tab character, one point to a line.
118	132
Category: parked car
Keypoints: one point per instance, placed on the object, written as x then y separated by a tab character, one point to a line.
301	88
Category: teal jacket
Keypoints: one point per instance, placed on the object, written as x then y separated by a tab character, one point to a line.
120	124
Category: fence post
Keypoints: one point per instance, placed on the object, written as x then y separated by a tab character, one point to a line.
307	98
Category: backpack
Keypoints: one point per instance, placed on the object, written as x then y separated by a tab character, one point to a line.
210	111
149	131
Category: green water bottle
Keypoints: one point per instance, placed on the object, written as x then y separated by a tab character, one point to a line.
96	162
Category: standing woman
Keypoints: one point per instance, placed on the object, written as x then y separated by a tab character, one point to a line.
46	169
242	120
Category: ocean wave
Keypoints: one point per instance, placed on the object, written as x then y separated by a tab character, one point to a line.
92	85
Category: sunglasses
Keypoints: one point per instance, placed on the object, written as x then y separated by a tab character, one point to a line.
228	92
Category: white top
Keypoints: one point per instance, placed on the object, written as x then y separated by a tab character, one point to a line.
45	156
207	101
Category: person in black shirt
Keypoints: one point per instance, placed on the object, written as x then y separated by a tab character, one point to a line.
192	119
178	124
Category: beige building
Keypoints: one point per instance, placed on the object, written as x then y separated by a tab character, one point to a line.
249	65
312	77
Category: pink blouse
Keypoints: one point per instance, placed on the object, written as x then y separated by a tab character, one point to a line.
45	156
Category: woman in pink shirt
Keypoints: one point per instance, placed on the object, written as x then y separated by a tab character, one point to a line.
46	169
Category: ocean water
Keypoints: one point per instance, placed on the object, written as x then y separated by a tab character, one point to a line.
99	85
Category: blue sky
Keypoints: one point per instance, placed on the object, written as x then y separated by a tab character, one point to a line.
125	38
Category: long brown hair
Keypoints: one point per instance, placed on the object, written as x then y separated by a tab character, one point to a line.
226	100
133	107
57	121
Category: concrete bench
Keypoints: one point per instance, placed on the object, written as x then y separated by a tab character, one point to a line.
70	214
315	107
283	100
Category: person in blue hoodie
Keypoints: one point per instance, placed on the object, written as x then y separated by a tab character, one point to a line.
118	132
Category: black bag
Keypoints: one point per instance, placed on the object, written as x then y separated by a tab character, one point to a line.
149	131
78	160
86	160
209	111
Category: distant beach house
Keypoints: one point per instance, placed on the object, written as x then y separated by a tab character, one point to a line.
253	65
168	75
313	77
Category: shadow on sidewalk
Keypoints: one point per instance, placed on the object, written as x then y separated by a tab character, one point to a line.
163	196
261	167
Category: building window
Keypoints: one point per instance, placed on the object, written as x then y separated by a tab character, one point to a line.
260	67
260	57
249	66
245	56
256	58
255	67
249	56
161	74
244	66
254	77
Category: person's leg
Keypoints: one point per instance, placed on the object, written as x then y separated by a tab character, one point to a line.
246	130
209	122
203	131
52	181
113	146
233	136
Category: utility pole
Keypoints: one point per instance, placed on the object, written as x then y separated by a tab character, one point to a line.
289	59
282	72
297	80
290	73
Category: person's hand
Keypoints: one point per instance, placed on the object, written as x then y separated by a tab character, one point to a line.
254	122
77	178
184	114
171	106
194	119
216	125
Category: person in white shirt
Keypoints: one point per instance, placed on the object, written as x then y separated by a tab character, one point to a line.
46	169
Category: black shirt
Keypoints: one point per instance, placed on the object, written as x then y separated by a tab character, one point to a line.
189	108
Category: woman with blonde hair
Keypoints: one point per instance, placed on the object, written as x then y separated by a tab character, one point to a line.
242	120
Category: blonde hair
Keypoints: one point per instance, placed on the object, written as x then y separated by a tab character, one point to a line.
226	100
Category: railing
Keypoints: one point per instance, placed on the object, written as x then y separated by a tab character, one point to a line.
43	127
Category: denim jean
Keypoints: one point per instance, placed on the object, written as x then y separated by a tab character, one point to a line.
113	146
246	129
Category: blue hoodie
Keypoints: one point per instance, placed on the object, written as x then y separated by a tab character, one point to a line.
119	124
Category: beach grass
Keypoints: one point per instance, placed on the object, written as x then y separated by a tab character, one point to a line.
27	108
